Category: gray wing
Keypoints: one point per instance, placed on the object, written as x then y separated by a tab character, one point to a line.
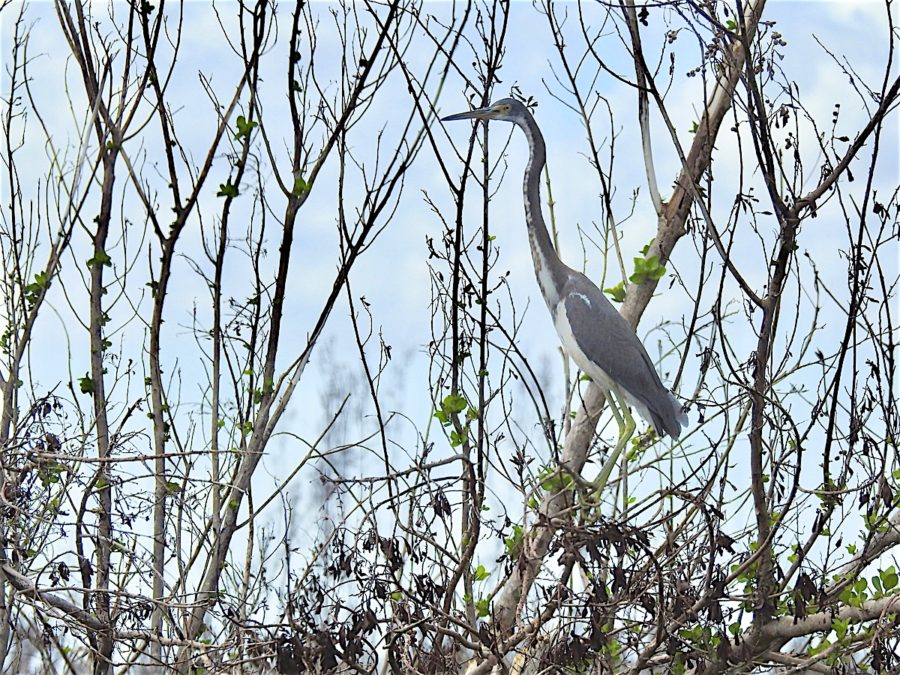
607	340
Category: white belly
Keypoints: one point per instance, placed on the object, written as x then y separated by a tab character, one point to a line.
570	345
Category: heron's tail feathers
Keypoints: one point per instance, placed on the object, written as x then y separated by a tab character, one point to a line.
669	417
681	416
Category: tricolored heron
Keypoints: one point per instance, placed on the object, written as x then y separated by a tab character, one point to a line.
594	335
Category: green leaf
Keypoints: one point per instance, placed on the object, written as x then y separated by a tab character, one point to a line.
244	127
100	258
173	487
480	573
646	269
442	417
483	607
86	384
34	290
458	438
730	25
227	190
845	596
514	543
554	481
617	292
453	404
840	627
889	578
101	483
301	187
694	127
48	478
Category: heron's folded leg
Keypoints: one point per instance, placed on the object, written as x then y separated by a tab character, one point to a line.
629	424
625	421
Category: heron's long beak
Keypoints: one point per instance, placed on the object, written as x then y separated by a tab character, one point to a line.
477	114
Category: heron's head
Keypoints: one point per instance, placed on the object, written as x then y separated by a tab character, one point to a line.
504	110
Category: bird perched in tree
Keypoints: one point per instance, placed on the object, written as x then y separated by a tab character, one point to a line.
594	335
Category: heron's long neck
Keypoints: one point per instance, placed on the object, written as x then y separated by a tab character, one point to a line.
549	269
